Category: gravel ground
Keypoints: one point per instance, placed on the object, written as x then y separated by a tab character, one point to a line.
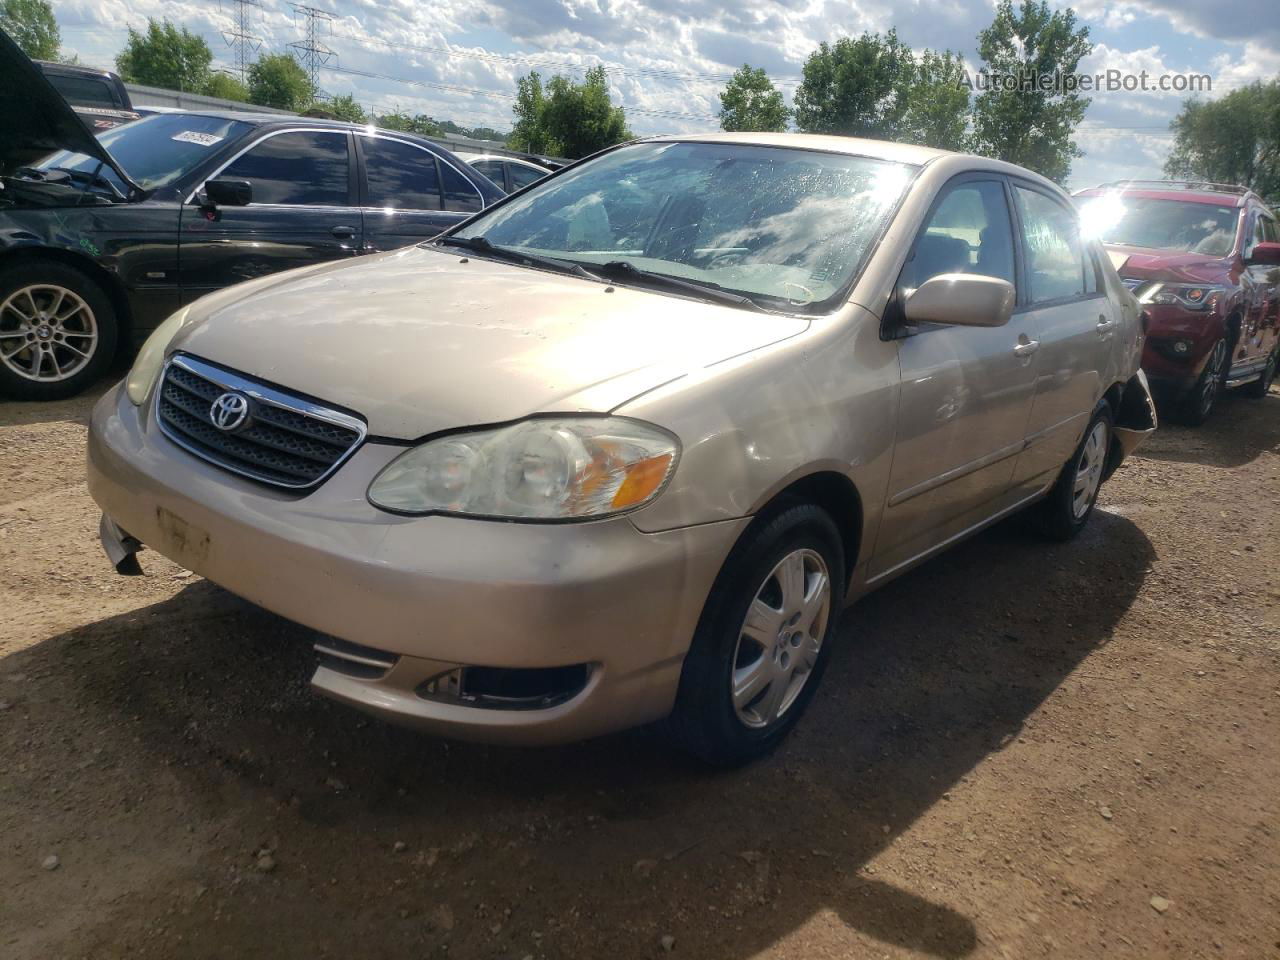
1020	750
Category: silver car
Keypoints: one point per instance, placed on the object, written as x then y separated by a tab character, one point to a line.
621	448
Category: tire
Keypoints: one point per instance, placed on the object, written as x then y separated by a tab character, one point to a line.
1196	406
779	671
58	331
1258	388
1064	513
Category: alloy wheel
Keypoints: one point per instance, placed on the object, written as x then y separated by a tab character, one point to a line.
1093	459
1213	377
47	333
780	638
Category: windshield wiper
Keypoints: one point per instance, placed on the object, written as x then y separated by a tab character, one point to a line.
625	269
483	245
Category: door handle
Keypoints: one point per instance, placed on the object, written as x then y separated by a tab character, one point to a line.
1025	347
1104	325
343	232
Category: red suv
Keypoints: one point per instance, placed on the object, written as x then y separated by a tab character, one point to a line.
1203	259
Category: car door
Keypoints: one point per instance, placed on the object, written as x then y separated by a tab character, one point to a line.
965	391
411	193
302	212
1262	295
1077	330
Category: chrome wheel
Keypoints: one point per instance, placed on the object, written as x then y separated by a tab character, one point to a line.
780	638
1213	377
1093	459
47	333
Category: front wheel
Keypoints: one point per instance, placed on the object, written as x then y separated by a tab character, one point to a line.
1198	403
1067	509
57	331
764	638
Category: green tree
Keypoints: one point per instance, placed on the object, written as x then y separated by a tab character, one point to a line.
165	56
346	108
857	87
1028	124
486	133
567	118
227	87
277	80
421	124
937	103
33	27
1234	139
751	102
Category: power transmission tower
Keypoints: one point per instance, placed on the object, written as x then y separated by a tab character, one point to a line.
311	53
244	43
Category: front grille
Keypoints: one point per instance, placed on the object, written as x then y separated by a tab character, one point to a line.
284	440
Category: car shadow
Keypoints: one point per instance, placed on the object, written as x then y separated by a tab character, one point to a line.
1238	431
595	847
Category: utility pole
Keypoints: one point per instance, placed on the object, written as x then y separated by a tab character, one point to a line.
311	53
244	43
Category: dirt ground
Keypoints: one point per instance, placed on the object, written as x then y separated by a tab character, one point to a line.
1020	750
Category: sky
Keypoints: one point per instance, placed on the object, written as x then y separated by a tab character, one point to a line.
667	60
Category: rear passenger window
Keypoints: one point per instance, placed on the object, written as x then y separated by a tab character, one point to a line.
400	176
968	232
459	194
1055	252
302	168
523	176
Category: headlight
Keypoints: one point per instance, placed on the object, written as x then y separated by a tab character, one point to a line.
539	469
150	359
1190	296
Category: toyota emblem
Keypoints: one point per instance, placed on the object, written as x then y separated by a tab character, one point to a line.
230	411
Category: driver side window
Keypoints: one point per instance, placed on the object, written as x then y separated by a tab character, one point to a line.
968	232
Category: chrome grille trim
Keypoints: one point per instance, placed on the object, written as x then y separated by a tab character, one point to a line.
312	441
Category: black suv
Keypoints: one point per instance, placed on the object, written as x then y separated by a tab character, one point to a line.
102	238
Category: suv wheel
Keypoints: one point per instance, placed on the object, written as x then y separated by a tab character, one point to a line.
764	638
1258	389
1064	513
1198	403
57	331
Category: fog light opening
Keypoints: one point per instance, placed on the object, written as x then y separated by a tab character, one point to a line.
507	688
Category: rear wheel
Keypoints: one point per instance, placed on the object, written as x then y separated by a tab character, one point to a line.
1258	389
1198	403
57	331
764	638
1067	509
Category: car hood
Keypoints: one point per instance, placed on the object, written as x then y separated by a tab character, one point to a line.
1142	263
37	120
418	340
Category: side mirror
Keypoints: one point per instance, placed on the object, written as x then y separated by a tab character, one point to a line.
229	193
962	300
1266	253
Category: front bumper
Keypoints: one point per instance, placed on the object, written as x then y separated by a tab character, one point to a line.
434	592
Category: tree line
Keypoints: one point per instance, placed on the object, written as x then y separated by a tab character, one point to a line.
873	85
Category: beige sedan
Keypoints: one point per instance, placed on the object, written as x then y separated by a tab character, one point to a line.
621	448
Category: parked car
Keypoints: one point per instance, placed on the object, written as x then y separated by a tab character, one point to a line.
585	463
1203	259
102	238
510	173
98	96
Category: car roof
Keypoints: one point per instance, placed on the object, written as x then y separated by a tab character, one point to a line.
498	156
1210	197
854	146
75	69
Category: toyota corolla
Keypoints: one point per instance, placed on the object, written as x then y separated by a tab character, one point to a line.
621	448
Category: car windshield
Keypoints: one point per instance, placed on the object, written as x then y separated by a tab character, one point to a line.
1161	224
155	151
769	223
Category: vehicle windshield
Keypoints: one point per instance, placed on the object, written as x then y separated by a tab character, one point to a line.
155	151
769	223
1179	225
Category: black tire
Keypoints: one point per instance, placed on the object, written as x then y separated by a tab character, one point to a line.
1059	516
705	721
1199	402
1258	388
26	373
